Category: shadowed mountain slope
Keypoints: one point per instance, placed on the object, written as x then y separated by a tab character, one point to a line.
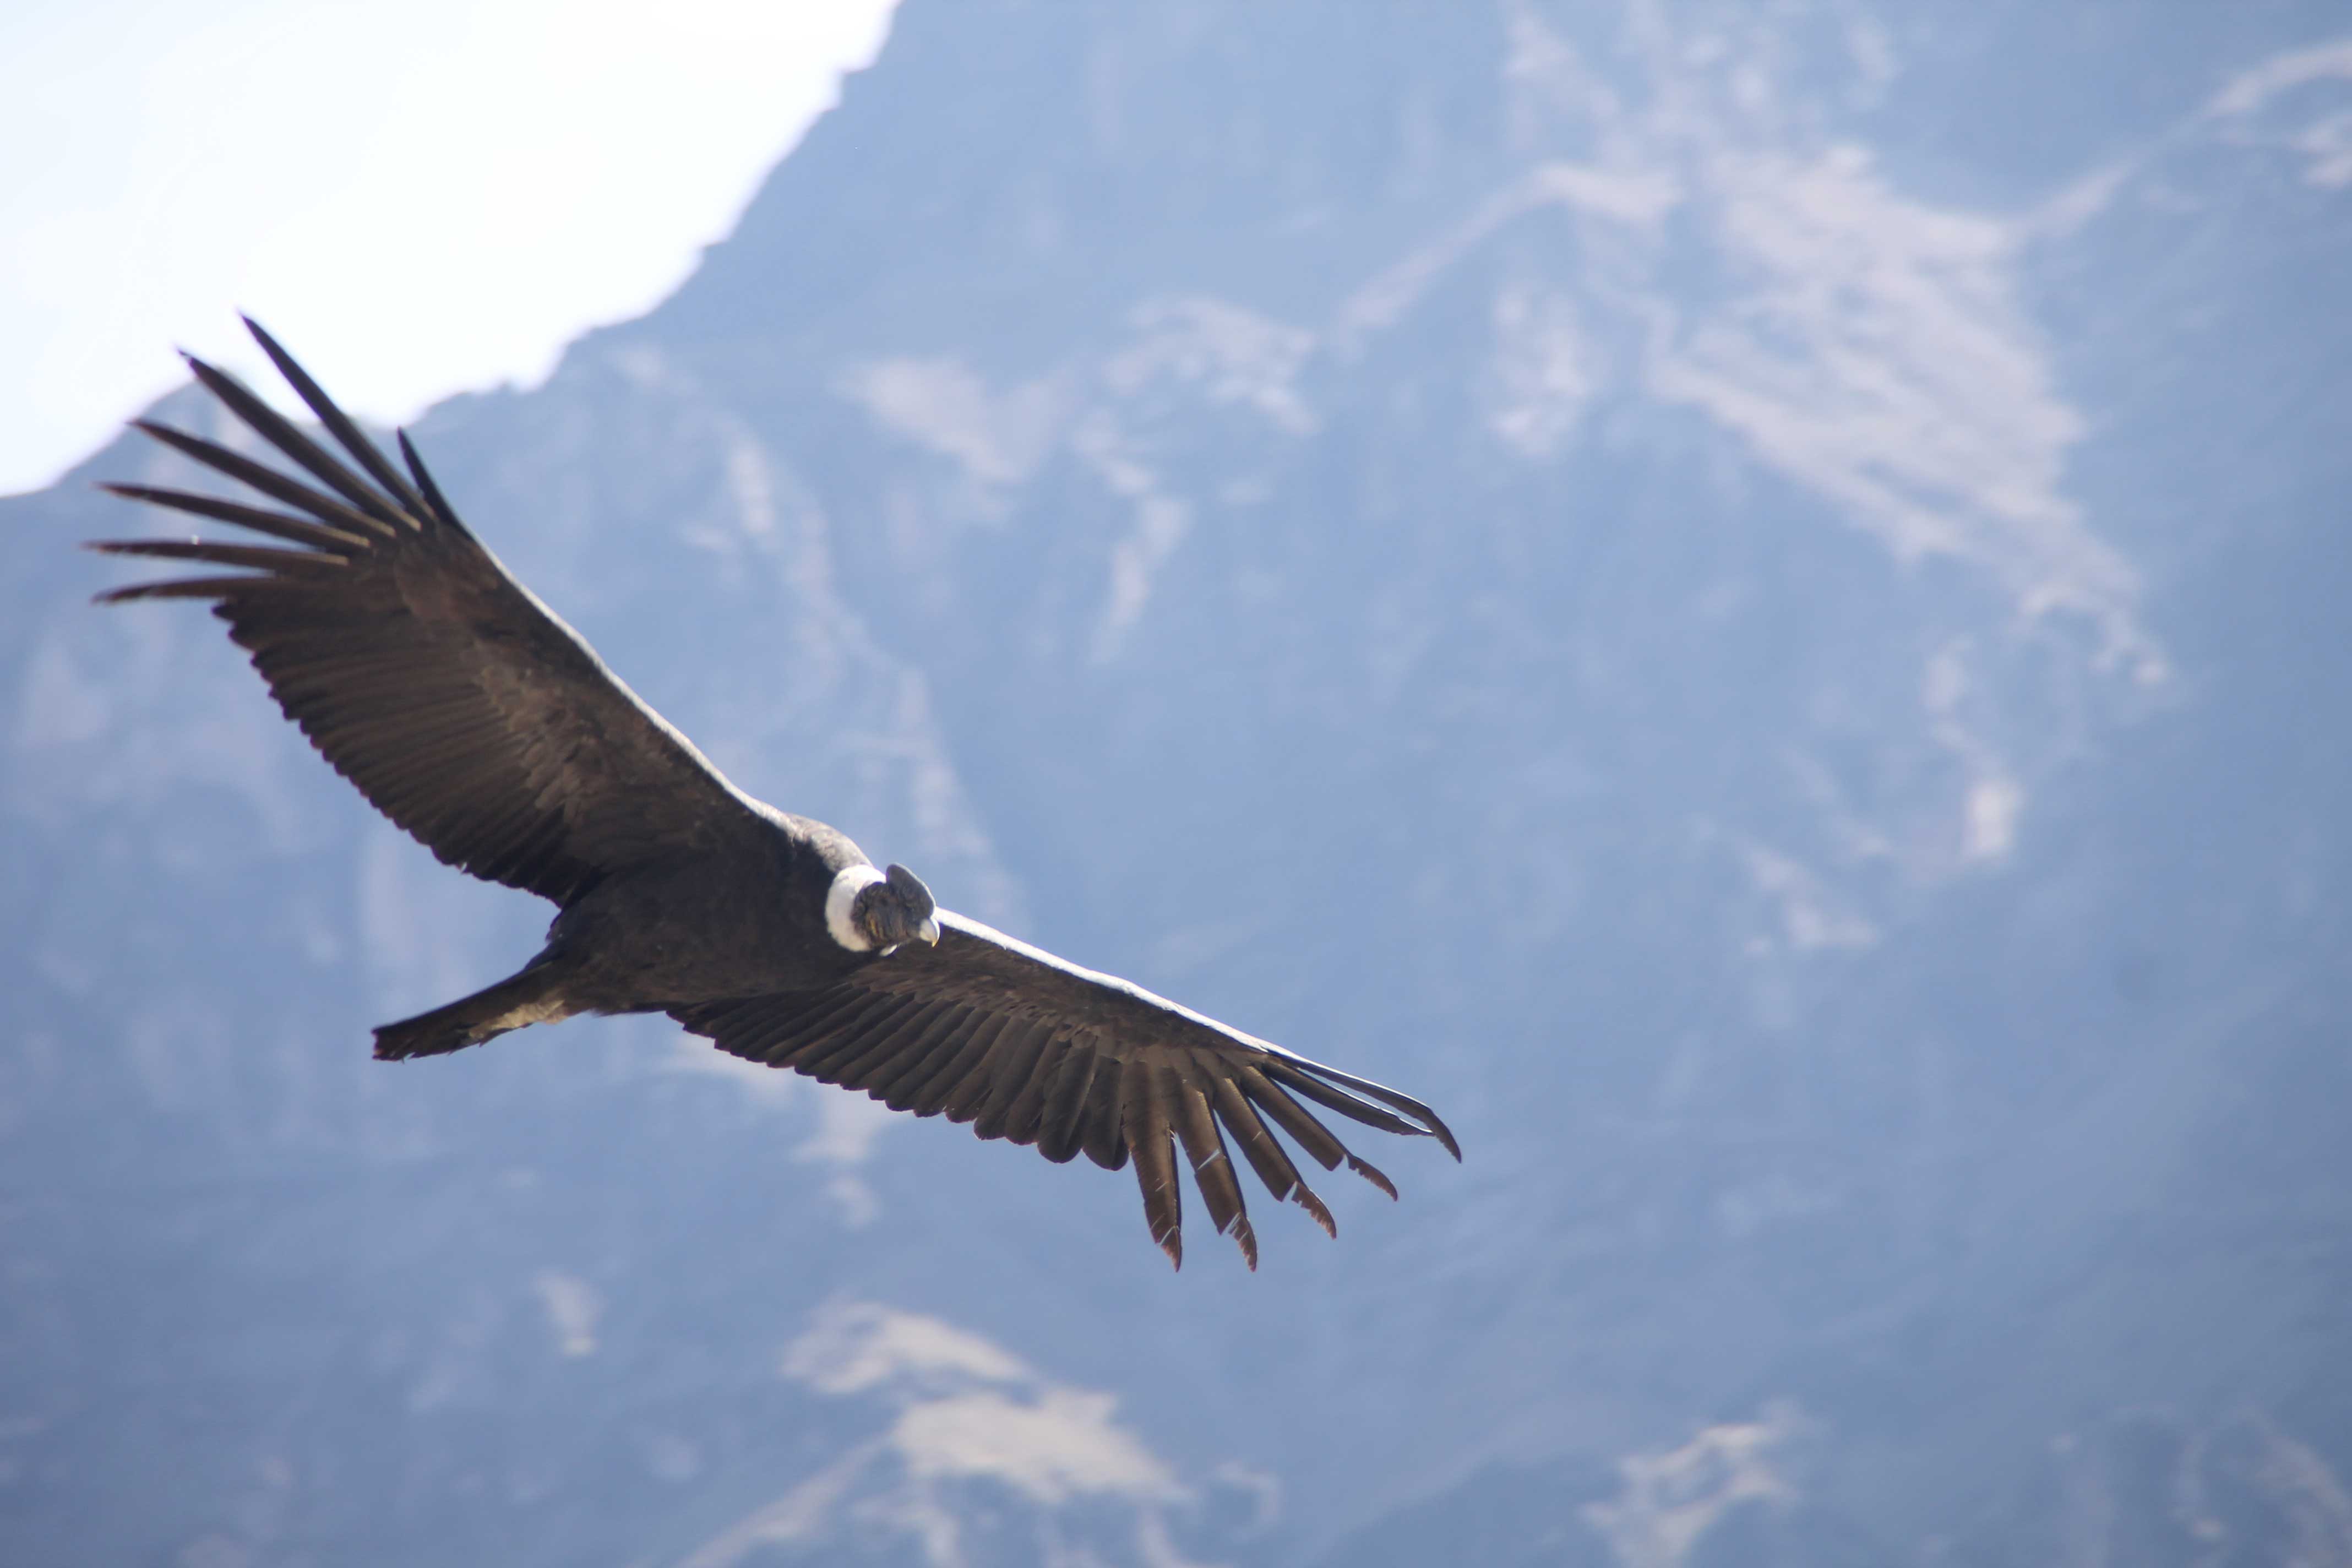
1753	604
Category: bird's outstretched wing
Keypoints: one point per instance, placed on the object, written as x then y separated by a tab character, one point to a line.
1028	1047
462	706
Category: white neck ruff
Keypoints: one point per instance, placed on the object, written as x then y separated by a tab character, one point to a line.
847	883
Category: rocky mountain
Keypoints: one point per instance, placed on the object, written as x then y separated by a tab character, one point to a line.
1747	599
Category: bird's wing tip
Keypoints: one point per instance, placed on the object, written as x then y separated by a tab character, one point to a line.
1444	1136
1373	1174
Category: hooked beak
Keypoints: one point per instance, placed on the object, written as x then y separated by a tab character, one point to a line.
927	934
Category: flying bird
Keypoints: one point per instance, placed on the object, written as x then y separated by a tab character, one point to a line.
469	714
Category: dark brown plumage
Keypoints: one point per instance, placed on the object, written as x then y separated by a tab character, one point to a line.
466	711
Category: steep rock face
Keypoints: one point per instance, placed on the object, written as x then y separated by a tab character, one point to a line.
1769	640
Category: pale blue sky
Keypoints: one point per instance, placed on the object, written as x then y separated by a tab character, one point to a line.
418	199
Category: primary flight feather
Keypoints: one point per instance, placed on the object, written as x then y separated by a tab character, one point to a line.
466	711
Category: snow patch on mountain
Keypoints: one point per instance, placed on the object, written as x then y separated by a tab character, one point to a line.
954	1411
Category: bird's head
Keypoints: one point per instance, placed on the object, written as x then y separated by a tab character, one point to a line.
874	911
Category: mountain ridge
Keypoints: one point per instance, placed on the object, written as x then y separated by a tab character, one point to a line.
1791	708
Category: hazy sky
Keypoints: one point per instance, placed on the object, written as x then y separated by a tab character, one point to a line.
418	199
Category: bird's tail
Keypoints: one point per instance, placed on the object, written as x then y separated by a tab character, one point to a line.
535	995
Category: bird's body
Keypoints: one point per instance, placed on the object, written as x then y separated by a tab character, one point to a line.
692	929
672	930
476	720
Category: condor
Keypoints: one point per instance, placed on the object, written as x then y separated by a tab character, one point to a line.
466	711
